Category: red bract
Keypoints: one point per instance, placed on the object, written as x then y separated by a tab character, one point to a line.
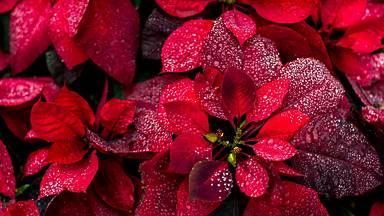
7	178
280	11
23	208
67	123
377	209
7	5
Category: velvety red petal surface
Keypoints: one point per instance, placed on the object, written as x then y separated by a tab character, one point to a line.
18	91
283	11
100	208
114	186
269	98
349	164
241	25
7	5
160	192
116	115
373	10
36	161
75	177
210	181
53	123
297	201
341	13
221	48
22	208
188	207
68	203
74	103
28	33
251	177
377	209
67	151
186	150
65	19
274	149
284	125
182	51
183	8
110	38
238	92
7	178
285	170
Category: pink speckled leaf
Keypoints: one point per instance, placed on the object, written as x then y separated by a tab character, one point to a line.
341	13
64	22
116	115
284	125
349	165
373	10
28	33
53	123
7	5
252	178
18	91
365	37
269	98
261	60
297	201
183	8
208	92
283	11
312	90
110	37
373	115
114	186
238	92
160	193
22	208
74	177
36	161
241	25
210	181
274	149
182	51
188	207
7	178
186	150
67	203
74	103
221	49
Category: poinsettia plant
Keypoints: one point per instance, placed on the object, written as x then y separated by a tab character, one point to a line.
181	107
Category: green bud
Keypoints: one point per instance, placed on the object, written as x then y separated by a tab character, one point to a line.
211	137
232	159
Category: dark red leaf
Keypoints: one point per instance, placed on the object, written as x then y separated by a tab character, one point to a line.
67	151
67	203
22	208
53	123
74	103
63	24
183	8
241	25
7	178
261	60
284	125
7	5
187	150
251	177
160	192
28	32
274	149
188	207
341	13
17	121
221	49
285	170
182	51
110	37
238	92
348	164
269	98
114	186
297	201
4	60
210	181
313	90
100	208
36	161
283	11
117	115
74	177
377	209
